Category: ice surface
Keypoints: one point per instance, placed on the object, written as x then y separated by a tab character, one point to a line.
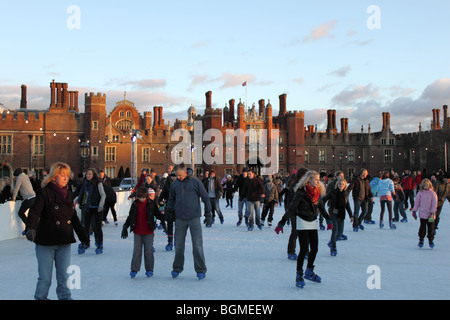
253	265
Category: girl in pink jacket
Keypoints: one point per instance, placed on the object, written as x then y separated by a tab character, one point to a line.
426	204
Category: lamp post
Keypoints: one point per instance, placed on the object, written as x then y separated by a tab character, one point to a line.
85	151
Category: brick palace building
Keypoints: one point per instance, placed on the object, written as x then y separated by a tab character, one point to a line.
33	139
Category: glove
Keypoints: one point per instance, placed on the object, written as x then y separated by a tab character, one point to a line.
414	215
31	234
279	228
329	226
431	219
124	234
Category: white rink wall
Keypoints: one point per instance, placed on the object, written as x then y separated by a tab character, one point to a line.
11	226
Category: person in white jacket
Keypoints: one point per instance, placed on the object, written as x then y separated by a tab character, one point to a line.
386	191
23	184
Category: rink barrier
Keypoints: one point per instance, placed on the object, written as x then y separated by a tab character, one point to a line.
11	226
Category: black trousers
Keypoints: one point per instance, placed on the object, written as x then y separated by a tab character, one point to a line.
93	213
308	239
26	204
109	205
426	228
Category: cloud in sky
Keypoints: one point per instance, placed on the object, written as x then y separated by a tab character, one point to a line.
228	80
341	72
322	31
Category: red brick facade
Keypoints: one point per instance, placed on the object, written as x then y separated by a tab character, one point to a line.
34	139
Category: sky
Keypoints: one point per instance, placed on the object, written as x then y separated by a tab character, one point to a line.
361	58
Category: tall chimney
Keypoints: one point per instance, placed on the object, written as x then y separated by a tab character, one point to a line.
65	96
333	120
446	120
384	122
52	94
58	95
342	125
262	104
75	101
23	101
208	99
388	121
438	122
231	114
329	121
282	111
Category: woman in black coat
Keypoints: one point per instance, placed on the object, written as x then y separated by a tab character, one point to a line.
51	223
337	205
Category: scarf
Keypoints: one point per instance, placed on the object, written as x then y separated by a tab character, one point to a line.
63	192
312	192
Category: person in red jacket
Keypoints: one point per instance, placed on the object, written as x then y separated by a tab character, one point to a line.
408	185
142	222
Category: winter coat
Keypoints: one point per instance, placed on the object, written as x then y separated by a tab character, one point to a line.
399	194
374	185
386	187
152	214
23	184
425	203
55	219
271	192
229	188
184	199
253	189
443	191
303	207
240	182
218	189
360	189
332	198
408	183
94	199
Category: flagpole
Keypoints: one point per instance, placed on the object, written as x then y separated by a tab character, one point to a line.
246	105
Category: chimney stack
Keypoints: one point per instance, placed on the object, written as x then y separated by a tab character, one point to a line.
331	125
282	111
262	105
208	99
231	114
23	101
52	94
446	119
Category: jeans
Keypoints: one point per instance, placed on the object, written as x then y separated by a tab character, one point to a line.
215	207
143	241
389	207
338	229
398	206
308	239
359	205
45	255
240	206
253	207
181	227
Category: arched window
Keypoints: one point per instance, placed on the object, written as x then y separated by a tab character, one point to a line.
124	125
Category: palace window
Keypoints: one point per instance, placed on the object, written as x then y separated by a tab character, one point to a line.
110	154
6	144
38	145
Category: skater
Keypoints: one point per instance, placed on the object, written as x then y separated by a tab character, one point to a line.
242	200
141	221
286	217
271	199
338	203
164	195
426	204
91	201
229	191
399	201
51	223
23	185
253	192
362	194
305	205
183	207
442	189
110	203
215	191
386	191
408	185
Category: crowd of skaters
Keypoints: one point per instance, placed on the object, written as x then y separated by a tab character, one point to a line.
307	196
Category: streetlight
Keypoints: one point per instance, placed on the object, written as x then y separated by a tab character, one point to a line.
85	151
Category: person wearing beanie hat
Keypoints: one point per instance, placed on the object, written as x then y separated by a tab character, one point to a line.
141	221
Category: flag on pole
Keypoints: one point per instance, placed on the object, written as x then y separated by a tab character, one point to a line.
244	84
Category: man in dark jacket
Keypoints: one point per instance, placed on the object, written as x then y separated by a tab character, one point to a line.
240	182
183	205
253	192
215	190
361	194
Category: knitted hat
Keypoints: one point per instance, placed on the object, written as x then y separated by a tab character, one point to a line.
151	191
